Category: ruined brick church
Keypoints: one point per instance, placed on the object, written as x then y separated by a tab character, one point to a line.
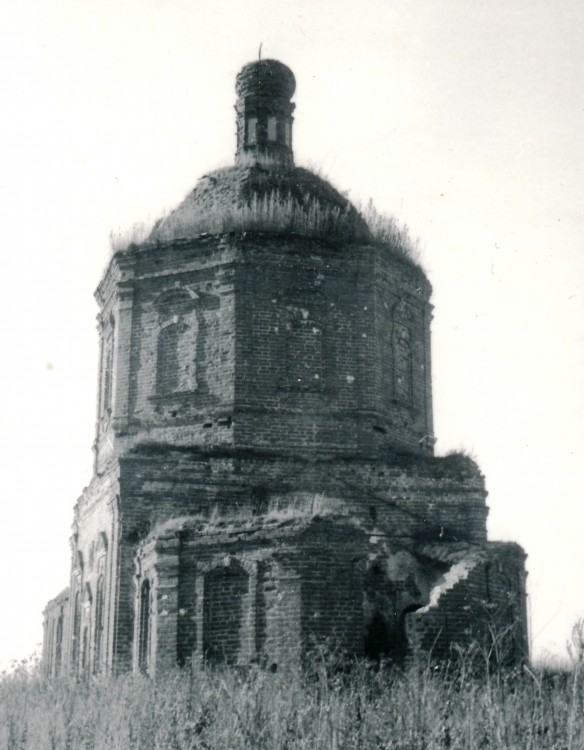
264	478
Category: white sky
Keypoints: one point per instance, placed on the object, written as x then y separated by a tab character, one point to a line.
464	118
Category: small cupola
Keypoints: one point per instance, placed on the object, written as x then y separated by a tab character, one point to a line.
264	114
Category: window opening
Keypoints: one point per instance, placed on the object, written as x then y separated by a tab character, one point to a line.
59	643
76	630
85	652
377	640
99	601
108	372
252	131
50	647
144	635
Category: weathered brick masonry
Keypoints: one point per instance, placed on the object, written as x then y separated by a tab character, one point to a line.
264	471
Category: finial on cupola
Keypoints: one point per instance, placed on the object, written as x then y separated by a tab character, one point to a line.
264	113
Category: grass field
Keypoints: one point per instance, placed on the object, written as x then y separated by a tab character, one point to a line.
420	706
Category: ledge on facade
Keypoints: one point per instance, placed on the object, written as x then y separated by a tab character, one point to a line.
459	465
235	238
285	522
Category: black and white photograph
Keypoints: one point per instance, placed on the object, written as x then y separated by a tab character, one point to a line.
292	324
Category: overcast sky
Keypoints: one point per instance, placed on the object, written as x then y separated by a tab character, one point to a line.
463	118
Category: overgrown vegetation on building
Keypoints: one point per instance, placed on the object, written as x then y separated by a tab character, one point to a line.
280	212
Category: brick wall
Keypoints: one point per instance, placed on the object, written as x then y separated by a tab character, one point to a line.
93	577
414	496
251	592
270	590
55	635
485	608
285	342
246	375
315	348
406	499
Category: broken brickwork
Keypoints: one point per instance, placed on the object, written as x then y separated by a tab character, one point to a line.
264	471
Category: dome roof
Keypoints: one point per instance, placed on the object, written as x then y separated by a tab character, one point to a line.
269	77
264	191
277	199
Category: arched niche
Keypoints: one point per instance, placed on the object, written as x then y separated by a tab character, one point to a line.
99	622
87	596
144	625
78	563
176	301
76	632
101	544
178	349
403	332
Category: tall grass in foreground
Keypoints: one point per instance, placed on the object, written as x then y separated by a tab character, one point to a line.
418	707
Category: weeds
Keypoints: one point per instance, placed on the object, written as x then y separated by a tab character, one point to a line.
576	652
330	706
273	209
386	230
273	212
121	239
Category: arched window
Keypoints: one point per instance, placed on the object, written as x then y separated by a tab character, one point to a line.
86	604
101	545
108	369
85	650
79	565
99	604
251	131
224	590
272	129
179	348
76	645
50	647
59	643
144	632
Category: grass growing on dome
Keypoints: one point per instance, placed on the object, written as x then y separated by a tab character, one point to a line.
122	239
386	230
279	212
275	211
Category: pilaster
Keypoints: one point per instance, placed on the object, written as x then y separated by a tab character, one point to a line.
122	357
